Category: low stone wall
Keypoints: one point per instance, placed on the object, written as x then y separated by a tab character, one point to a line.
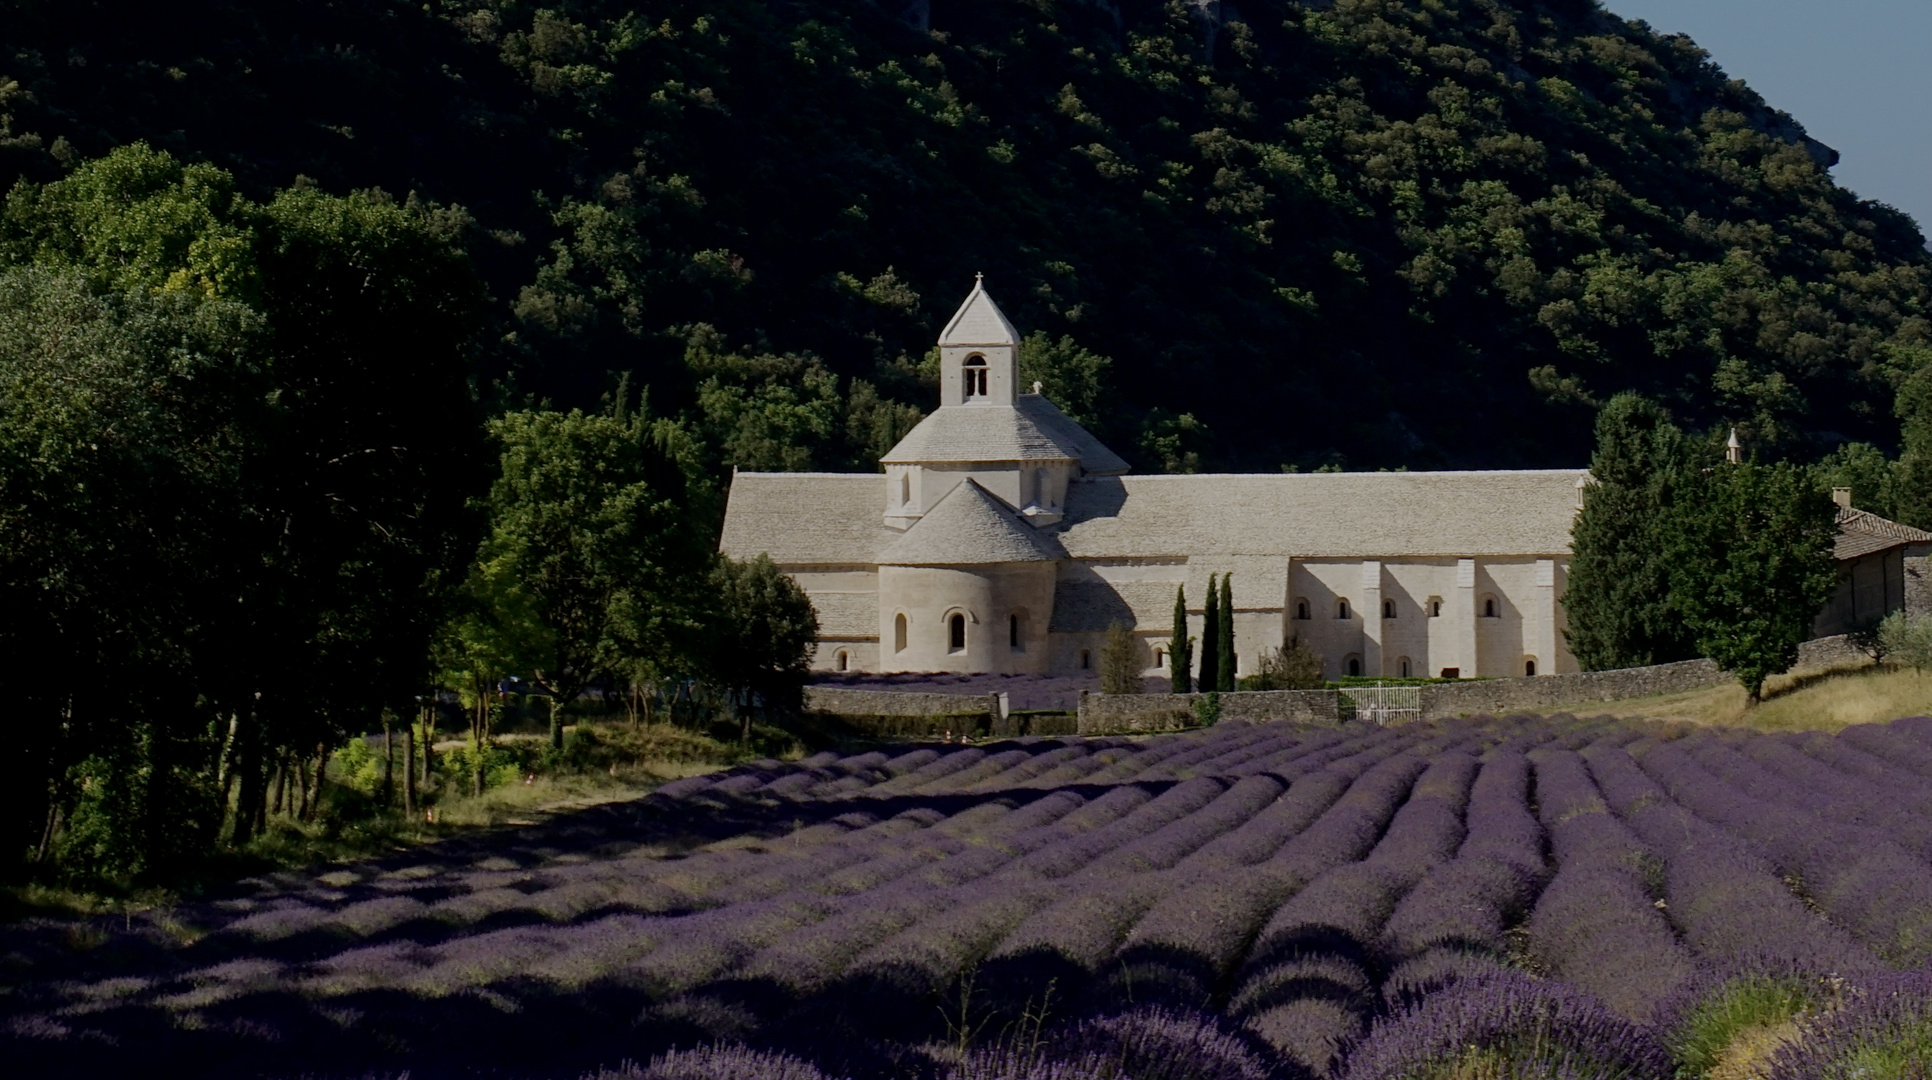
843	702
1828	652
1117	714
1479	696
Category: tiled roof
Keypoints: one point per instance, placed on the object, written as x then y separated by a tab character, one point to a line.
979	321
970	527
1324	515
1030	429
1081	606
807	518
847	614
1861	533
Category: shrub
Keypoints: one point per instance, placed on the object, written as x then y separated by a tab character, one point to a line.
1295	666
1906	639
1120	664
1207	709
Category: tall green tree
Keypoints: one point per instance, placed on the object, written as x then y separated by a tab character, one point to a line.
1752	565
764	632
1912	501
1622	612
1180	648
1224	663
1210	677
590	560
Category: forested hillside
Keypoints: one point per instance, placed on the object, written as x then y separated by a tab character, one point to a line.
1424	233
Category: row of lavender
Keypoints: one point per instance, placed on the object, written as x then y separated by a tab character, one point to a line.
1322	902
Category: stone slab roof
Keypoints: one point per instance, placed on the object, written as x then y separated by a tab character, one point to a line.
1861	533
970	527
1324	515
847	614
806	519
1094	605
1030	429
979	321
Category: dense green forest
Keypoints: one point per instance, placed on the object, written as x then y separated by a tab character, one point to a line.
1366	233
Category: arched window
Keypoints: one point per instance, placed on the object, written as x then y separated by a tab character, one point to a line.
1086	660
1341	608
956	633
1529	667
844	660
1160	656
1354	666
1435	607
1489	607
1402	665
1388	609
1301	608
1016	631
899	632
905	488
975	375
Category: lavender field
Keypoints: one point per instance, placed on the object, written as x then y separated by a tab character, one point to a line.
1492	898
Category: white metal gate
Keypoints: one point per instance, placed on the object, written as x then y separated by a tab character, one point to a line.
1385	704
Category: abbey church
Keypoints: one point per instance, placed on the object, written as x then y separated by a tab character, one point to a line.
1002	537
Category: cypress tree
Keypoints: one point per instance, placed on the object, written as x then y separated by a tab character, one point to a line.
1224	642
1211	641
1619	596
1179	655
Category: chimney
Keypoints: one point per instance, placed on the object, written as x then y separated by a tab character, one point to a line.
1733	449
1841	496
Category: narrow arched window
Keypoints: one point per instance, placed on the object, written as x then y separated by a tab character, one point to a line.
1341	609
1354	667
1015	635
1086	660
899	633
1301	610
1388	609
1435	607
1160	657
845	660
956	633
1529	667
1489	608
1403	667
975	376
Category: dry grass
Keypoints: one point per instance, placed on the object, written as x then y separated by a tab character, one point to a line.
1824	700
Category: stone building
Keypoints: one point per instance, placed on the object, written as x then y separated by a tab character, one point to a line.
1002	537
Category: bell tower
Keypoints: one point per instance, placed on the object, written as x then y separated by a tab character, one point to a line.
978	353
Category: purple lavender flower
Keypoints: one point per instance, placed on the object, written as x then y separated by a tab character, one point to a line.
1506	1024
1883	1031
717	1063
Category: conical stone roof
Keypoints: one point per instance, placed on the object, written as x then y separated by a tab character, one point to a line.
970	527
979	321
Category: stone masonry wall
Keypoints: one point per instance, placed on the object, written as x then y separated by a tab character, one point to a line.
1480	696
1113	714
844	702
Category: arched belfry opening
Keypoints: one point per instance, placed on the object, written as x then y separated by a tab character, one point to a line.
973	371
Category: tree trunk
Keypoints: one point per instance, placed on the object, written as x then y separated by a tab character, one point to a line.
281	785
388	759
254	780
314	799
302	788
478	723
556	725
409	770
429	740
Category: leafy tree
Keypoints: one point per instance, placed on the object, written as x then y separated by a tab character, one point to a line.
1180	648
1621	609
589	561
1224	642
1211	640
1076	380
1912	498
1752	565
1120	663
765	632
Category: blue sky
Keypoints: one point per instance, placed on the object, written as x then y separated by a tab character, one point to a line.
1856	73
